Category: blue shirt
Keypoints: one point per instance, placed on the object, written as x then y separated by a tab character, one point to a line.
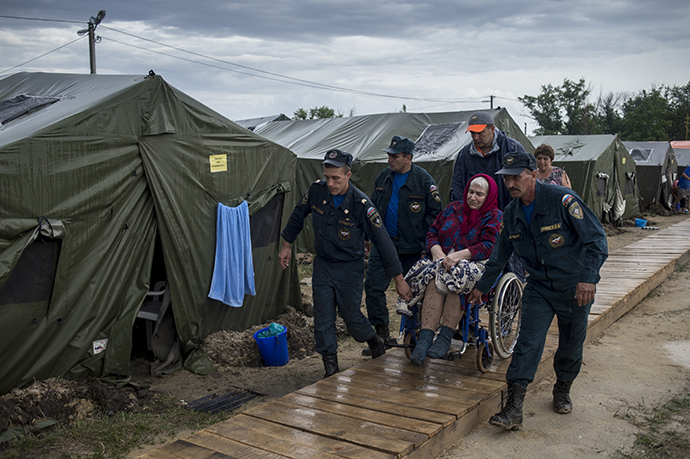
528	210
391	219
682	181
337	199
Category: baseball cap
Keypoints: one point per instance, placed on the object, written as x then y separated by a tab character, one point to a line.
478	122
337	158
400	145
514	162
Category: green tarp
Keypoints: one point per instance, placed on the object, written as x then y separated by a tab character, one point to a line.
90	184
656	167
439	138
601	171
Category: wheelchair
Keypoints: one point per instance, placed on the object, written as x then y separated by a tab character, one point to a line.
502	311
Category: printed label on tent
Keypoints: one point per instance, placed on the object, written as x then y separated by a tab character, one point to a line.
219	163
99	346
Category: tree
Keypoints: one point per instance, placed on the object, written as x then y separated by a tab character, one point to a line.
562	109
322	112
679	103
647	117
608	113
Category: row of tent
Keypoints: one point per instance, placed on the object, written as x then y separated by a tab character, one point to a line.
109	184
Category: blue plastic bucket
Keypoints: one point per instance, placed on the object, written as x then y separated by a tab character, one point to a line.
640	223
274	349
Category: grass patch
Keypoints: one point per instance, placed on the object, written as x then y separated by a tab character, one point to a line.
112	436
665	432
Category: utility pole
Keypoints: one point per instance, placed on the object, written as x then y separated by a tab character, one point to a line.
93	23
491	101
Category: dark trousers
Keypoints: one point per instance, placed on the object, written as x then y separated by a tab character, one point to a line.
376	284
338	285
539	305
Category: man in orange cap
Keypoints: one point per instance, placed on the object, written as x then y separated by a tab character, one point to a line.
483	156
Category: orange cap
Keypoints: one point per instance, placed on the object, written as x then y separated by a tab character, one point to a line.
476	127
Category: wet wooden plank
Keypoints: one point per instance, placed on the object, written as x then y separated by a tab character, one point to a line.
343	428
372	401
288	441
227	448
366	414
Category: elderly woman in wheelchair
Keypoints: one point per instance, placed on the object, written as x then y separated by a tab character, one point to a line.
459	242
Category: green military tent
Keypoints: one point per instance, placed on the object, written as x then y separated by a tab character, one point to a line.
601	172
656	166
107	182
439	138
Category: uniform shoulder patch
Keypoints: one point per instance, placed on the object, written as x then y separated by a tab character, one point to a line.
575	210
374	217
567	199
434	193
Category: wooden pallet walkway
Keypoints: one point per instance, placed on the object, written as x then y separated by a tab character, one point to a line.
389	408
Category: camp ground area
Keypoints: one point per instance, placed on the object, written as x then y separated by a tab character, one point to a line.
389	408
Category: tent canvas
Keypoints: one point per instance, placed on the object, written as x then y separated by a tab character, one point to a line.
89	184
656	166
601	172
681	149
439	136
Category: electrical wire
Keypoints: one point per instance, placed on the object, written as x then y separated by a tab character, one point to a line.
40	19
277	77
42	55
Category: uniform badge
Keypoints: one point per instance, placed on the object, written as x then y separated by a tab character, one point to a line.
500	228
344	234
567	199
434	193
305	198
374	218
575	210
509	160
332	154
415	207
556	240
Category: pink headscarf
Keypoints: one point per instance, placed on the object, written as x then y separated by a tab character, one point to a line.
470	217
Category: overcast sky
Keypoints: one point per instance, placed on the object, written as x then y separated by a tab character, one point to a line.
430	56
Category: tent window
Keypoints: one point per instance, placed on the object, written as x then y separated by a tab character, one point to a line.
641	154
11	109
629	183
601	186
264	224
32	278
434	137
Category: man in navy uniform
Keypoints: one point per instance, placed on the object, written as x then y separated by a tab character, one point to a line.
343	218
562	246
409	201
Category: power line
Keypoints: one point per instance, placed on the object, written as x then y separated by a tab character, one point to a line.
42	55
278	77
41	19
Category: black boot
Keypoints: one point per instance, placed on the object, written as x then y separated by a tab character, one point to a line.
377	347
442	343
330	364
510	417
561	397
384	333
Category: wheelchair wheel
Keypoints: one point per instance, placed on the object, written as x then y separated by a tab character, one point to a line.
410	343
485	356
505	315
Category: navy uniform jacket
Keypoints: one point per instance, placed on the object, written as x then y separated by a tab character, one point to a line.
564	245
339	234
420	203
468	165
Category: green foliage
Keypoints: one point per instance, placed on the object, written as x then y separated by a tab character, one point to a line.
661	114
562	109
647	117
322	112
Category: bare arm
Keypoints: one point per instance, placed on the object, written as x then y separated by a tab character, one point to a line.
284	255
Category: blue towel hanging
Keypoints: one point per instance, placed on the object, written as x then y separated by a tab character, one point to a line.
233	271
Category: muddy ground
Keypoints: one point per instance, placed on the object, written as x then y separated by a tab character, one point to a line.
609	382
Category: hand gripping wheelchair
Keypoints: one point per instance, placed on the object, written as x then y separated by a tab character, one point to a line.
503	306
